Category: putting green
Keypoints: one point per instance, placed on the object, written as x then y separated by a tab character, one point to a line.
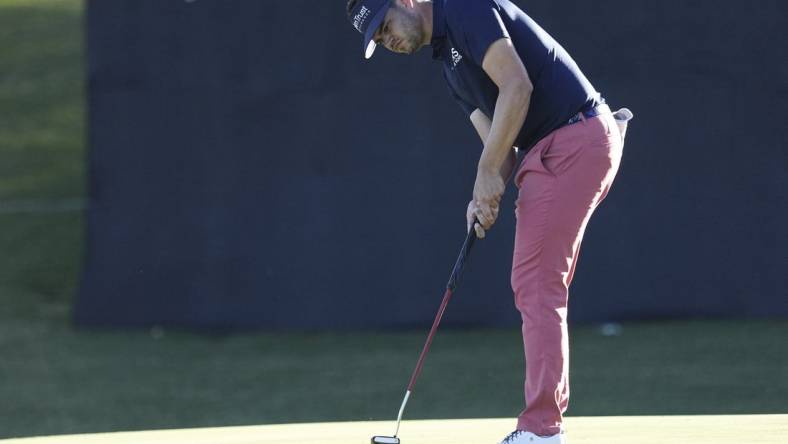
752	429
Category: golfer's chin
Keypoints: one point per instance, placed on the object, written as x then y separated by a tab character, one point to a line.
406	49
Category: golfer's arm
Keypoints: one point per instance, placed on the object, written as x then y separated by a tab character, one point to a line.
482	124
503	65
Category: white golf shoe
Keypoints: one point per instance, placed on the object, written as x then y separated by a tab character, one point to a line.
523	437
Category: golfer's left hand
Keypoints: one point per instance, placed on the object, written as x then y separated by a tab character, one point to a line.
487	193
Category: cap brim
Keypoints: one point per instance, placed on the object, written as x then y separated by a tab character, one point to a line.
369	44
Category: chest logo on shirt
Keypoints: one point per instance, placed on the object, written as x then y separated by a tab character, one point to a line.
456	58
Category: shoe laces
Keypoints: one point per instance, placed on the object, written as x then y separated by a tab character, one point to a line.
512	436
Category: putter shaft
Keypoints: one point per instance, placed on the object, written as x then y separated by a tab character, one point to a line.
401	411
452	284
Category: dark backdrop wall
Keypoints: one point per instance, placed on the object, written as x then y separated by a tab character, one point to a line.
250	170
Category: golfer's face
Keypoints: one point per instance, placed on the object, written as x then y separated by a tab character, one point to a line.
399	31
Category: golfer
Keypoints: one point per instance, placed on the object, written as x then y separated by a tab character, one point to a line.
524	94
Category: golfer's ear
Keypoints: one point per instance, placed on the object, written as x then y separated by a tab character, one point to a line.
504	66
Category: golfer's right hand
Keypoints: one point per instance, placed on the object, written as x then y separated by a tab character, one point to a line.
470	217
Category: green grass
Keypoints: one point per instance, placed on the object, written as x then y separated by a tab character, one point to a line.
42	147
54	379
57	380
42	95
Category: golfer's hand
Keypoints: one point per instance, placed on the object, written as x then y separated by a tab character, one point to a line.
470	217
487	192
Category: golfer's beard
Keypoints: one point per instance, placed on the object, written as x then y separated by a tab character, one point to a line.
413	42
415	36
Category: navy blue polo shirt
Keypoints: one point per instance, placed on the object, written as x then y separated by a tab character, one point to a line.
463	30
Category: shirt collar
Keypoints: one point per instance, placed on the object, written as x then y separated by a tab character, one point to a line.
438	29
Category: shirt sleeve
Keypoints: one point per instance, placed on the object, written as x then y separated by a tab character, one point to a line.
478	23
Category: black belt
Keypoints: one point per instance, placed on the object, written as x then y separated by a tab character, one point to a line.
589	114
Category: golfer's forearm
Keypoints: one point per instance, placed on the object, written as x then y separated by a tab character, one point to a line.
508	166
482	124
510	111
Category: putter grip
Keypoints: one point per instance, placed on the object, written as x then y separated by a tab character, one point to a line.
470	238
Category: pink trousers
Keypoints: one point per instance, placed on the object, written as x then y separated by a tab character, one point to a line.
561	181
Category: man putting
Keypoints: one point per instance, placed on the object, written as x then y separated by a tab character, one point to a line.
520	88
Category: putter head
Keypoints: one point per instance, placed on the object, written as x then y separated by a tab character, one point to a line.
385	440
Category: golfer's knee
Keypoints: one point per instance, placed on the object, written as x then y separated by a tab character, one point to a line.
525	285
532	287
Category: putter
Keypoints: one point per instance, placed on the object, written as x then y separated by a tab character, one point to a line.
455	276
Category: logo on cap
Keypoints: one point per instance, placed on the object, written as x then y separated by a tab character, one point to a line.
360	18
